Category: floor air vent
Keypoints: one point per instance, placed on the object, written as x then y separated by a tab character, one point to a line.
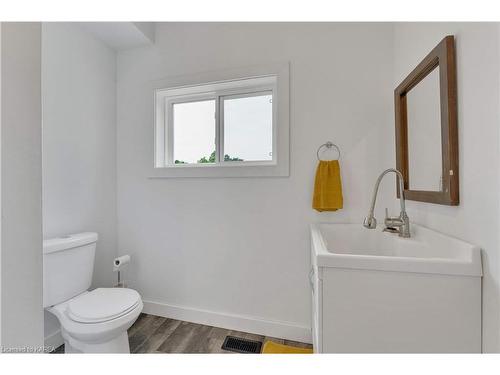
235	344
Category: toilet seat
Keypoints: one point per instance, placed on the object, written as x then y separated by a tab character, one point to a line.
102	304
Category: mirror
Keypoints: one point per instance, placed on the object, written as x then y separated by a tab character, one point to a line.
424	134
426	128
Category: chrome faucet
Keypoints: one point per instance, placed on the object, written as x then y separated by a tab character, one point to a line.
399	224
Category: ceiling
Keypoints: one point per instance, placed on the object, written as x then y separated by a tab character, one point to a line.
122	35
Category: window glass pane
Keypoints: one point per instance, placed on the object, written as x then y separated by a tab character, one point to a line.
248	128
194	132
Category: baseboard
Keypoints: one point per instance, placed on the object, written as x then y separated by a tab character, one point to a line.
272	328
54	340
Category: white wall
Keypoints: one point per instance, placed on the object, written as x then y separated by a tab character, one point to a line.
477	218
21	186
239	247
79	142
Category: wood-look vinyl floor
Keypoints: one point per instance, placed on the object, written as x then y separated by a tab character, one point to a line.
155	334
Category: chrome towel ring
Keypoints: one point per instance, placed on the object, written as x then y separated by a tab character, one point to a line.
328	145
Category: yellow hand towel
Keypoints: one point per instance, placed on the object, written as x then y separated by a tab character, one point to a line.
327	186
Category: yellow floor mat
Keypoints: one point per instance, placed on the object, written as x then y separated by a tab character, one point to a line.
271	347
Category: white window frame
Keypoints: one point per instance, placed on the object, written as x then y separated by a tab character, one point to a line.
236	83
169	127
218	96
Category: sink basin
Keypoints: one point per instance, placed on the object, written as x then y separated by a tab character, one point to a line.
427	251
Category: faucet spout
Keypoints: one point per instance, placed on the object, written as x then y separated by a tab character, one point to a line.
403	221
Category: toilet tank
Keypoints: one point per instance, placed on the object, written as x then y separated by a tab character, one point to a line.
68	264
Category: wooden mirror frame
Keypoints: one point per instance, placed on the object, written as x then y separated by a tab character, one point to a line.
442	56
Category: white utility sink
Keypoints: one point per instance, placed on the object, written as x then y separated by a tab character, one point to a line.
373	291
427	251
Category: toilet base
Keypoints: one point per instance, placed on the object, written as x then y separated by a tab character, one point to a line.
117	345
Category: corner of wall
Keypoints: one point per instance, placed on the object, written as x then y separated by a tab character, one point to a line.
21	182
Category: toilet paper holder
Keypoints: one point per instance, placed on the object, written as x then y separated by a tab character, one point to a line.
118	265
119	283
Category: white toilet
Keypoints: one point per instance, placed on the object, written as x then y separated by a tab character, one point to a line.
91	322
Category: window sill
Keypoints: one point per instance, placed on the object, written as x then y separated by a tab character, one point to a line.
221	171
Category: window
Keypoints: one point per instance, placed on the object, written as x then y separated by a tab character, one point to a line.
193	131
248	127
224	128
214	124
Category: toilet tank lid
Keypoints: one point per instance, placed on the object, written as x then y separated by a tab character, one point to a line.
68	242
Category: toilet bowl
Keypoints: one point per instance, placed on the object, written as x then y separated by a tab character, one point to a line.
91	321
97	321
